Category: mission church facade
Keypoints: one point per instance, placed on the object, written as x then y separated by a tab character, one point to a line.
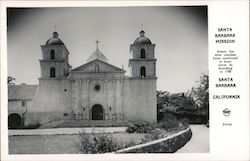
95	90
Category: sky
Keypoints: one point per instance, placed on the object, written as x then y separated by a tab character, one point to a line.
180	35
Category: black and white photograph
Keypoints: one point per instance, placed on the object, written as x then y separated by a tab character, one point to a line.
91	80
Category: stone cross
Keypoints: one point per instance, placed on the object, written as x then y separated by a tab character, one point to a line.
97	43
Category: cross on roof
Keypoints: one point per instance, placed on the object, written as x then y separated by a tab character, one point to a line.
141	26
97	43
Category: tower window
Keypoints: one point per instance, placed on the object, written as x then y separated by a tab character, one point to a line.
23	103
142	53
143	71
52	72
52	54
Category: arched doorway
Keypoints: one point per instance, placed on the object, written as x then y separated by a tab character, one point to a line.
97	112
14	121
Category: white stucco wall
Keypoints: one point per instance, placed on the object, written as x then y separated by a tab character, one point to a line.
140	99
129	99
149	51
109	96
51	101
15	106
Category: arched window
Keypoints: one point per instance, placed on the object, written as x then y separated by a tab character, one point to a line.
97	68
52	54
52	72
142	53
143	71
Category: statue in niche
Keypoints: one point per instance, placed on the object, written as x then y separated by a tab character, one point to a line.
73	115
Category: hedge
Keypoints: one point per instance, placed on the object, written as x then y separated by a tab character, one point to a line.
166	145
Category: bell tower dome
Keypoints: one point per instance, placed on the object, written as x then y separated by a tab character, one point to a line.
143	62
54	63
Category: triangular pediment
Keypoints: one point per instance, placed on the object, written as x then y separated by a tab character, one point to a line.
98	66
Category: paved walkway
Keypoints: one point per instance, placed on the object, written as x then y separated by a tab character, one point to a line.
199	142
58	131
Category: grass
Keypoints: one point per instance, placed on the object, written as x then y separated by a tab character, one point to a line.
71	144
55	144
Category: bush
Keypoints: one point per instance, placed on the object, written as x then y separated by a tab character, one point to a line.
97	143
140	127
154	135
130	143
147	127
33	126
173	125
168	124
168	146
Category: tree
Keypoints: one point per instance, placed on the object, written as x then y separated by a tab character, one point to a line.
11	80
194	102
162	98
201	94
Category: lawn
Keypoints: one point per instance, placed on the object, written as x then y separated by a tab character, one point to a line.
56	144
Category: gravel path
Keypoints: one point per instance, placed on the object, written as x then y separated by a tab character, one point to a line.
199	142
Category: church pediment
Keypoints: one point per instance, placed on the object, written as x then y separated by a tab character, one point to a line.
98	66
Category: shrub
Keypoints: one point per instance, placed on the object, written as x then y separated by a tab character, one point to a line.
147	127
168	124
140	127
130	143
173	125
131	128
168	146
32	126
97	143
154	135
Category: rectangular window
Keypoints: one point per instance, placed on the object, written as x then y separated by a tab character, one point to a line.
23	103
65	114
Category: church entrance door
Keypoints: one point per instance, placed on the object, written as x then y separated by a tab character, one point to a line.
97	112
14	121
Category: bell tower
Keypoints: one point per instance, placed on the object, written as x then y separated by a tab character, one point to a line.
143	62
54	63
